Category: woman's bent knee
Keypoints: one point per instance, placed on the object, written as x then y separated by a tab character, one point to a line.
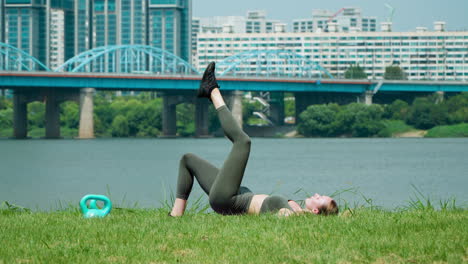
186	157
243	143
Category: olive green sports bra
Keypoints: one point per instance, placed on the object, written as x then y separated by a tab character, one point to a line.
274	203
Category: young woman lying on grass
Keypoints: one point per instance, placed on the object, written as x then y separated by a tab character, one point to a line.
223	186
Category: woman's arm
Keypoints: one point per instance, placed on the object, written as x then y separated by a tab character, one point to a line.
295	206
297	209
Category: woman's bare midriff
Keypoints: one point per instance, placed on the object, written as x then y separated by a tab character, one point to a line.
256	203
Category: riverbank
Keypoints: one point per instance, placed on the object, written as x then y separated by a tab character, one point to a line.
150	236
459	130
396	129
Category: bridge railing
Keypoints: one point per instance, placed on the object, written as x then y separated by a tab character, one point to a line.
127	59
14	59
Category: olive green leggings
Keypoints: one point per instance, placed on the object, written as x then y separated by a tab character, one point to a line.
222	185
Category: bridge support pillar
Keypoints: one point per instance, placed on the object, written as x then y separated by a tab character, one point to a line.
277	108
201	118
20	116
86	129
52	116
169	118
236	106
366	97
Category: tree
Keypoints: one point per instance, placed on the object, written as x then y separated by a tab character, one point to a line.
69	116
319	120
289	104
355	72
457	107
398	110
119	127
6	118
368	121
394	73
360	120
5	103
103	113
185	119
36	114
425	114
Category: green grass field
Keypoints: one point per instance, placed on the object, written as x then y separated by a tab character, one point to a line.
150	236
395	127
458	130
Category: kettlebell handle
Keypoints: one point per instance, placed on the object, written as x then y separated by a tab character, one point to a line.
96	197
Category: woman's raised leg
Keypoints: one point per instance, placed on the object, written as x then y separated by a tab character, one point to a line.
227	183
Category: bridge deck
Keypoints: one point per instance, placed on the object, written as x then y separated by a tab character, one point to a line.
22	80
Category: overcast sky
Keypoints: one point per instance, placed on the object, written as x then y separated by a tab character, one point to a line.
408	13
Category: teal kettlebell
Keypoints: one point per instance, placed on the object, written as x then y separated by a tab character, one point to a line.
94	210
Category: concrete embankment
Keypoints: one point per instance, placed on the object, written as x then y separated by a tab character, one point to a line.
270	131
412	134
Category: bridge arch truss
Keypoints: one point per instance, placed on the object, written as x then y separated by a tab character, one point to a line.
127	59
14	59
271	63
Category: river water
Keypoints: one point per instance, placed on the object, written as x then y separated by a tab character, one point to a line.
52	174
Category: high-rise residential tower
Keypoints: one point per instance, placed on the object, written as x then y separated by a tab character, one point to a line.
44	29
55	30
26	27
169	26
118	22
2	29
81	26
422	54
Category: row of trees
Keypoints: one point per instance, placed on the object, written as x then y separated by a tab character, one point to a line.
116	116
427	112
359	120
393	72
141	116
113	116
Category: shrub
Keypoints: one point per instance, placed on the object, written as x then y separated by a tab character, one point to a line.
367	121
319	120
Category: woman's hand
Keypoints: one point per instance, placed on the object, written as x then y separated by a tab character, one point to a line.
285	212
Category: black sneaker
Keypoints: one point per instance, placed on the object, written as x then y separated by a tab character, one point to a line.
208	82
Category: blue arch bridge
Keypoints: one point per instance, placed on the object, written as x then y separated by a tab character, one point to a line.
145	68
